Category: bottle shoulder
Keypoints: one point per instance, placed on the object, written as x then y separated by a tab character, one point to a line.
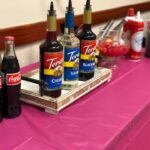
70	40
10	64
87	35
51	46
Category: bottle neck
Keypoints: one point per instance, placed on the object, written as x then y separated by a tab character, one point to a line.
86	27
69	30
51	28
69	22
51	36
87	17
9	48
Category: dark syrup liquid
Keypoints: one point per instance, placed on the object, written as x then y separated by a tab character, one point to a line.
86	34
1	116
53	46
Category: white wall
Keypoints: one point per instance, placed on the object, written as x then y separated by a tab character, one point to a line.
18	12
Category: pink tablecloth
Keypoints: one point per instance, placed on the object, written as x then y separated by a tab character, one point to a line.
114	116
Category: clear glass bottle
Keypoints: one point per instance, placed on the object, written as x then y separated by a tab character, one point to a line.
71	47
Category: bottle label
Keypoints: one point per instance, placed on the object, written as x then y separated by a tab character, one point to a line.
136	41
87	56
53	70
13	78
71	63
0	82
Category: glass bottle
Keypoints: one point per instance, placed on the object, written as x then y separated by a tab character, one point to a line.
87	46
71	47
12	82
1	116
51	58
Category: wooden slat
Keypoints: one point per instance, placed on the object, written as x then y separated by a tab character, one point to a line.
30	33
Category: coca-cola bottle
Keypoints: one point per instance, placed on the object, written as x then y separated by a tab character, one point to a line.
12	82
87	46
51	58
1	116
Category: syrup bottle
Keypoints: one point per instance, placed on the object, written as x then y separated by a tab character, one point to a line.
51	58
71	46
87	46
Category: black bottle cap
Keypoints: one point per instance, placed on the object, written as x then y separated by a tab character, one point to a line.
88	5
70	8
52	12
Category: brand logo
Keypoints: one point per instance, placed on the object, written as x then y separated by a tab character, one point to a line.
136	41
52	60
73	56
87	57
53	63
13	79
0	82
89	49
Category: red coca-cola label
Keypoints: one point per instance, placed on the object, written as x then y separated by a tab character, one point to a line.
13	78
88	47
0	82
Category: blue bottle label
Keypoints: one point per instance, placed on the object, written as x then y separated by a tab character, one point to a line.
87	66
87	56
71	63
53	70
53	82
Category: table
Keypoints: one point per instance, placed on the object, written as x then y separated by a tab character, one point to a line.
115	116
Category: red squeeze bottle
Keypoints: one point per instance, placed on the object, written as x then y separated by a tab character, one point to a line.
137	28
126	28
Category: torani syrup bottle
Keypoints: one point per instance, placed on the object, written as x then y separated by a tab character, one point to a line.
71	45
51	58
87	46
